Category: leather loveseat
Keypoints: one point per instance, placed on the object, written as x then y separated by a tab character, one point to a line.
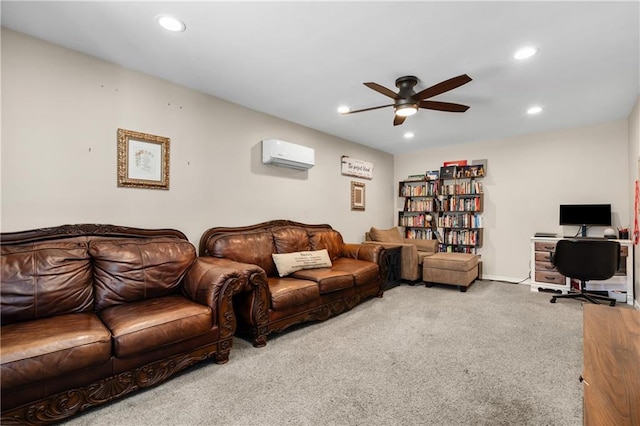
93	312
271	302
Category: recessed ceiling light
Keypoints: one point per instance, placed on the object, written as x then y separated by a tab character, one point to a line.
171	23
525	52
343	109
408	135
534	110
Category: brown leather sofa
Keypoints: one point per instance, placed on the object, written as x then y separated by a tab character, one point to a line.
93	312
272	303
412	252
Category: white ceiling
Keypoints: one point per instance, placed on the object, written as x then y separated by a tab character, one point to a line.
301	60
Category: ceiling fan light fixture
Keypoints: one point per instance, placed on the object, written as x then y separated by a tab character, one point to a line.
406	110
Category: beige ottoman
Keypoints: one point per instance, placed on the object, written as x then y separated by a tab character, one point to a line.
459	269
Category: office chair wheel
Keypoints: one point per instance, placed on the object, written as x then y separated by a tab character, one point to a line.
553	300
612	303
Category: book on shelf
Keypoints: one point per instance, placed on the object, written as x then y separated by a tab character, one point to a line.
416	177
455	163
419	234
422	189
433	174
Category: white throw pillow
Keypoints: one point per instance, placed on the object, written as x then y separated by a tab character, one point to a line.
286	263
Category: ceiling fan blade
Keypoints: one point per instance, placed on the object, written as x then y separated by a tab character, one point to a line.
398	120
367	109
443	106
443	86
381	89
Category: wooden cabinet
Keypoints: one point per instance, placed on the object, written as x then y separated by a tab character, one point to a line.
545	275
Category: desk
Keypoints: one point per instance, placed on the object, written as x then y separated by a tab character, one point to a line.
611	365
545	277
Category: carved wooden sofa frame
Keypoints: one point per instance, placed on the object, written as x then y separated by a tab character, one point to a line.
250	248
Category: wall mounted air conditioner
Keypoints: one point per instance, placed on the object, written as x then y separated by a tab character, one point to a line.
286	154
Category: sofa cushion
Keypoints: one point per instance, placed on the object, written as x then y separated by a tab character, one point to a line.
127	270
329	239
391	235
249	247
49	347
290	239
45	279
288	292
148	324
286	263
328	279
363	272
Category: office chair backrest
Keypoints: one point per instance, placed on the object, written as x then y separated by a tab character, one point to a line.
587	259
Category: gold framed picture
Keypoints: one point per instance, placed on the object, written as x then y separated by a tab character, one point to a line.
143	160
357	195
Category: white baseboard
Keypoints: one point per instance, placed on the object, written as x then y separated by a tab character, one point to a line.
513	280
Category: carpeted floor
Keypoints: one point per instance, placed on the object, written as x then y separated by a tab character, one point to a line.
498	354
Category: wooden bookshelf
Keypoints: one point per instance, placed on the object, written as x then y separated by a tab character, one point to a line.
454	199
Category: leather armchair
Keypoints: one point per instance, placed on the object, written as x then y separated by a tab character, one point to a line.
412	252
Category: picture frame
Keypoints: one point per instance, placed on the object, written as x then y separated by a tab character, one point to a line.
143	160
473	171
357	196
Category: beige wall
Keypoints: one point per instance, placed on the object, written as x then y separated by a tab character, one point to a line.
60	114
61	111
527	179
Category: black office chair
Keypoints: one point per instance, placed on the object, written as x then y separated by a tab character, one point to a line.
585	260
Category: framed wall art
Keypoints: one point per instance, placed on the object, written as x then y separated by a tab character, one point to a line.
143	160
357	195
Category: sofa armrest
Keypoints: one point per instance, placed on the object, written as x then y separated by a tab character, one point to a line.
424	245
368	252
387	245
253	301
409	259
204	281
214	286
252	274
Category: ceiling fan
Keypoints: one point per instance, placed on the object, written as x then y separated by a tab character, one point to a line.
407	101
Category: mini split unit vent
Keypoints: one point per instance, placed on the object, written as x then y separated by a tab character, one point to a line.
286	154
